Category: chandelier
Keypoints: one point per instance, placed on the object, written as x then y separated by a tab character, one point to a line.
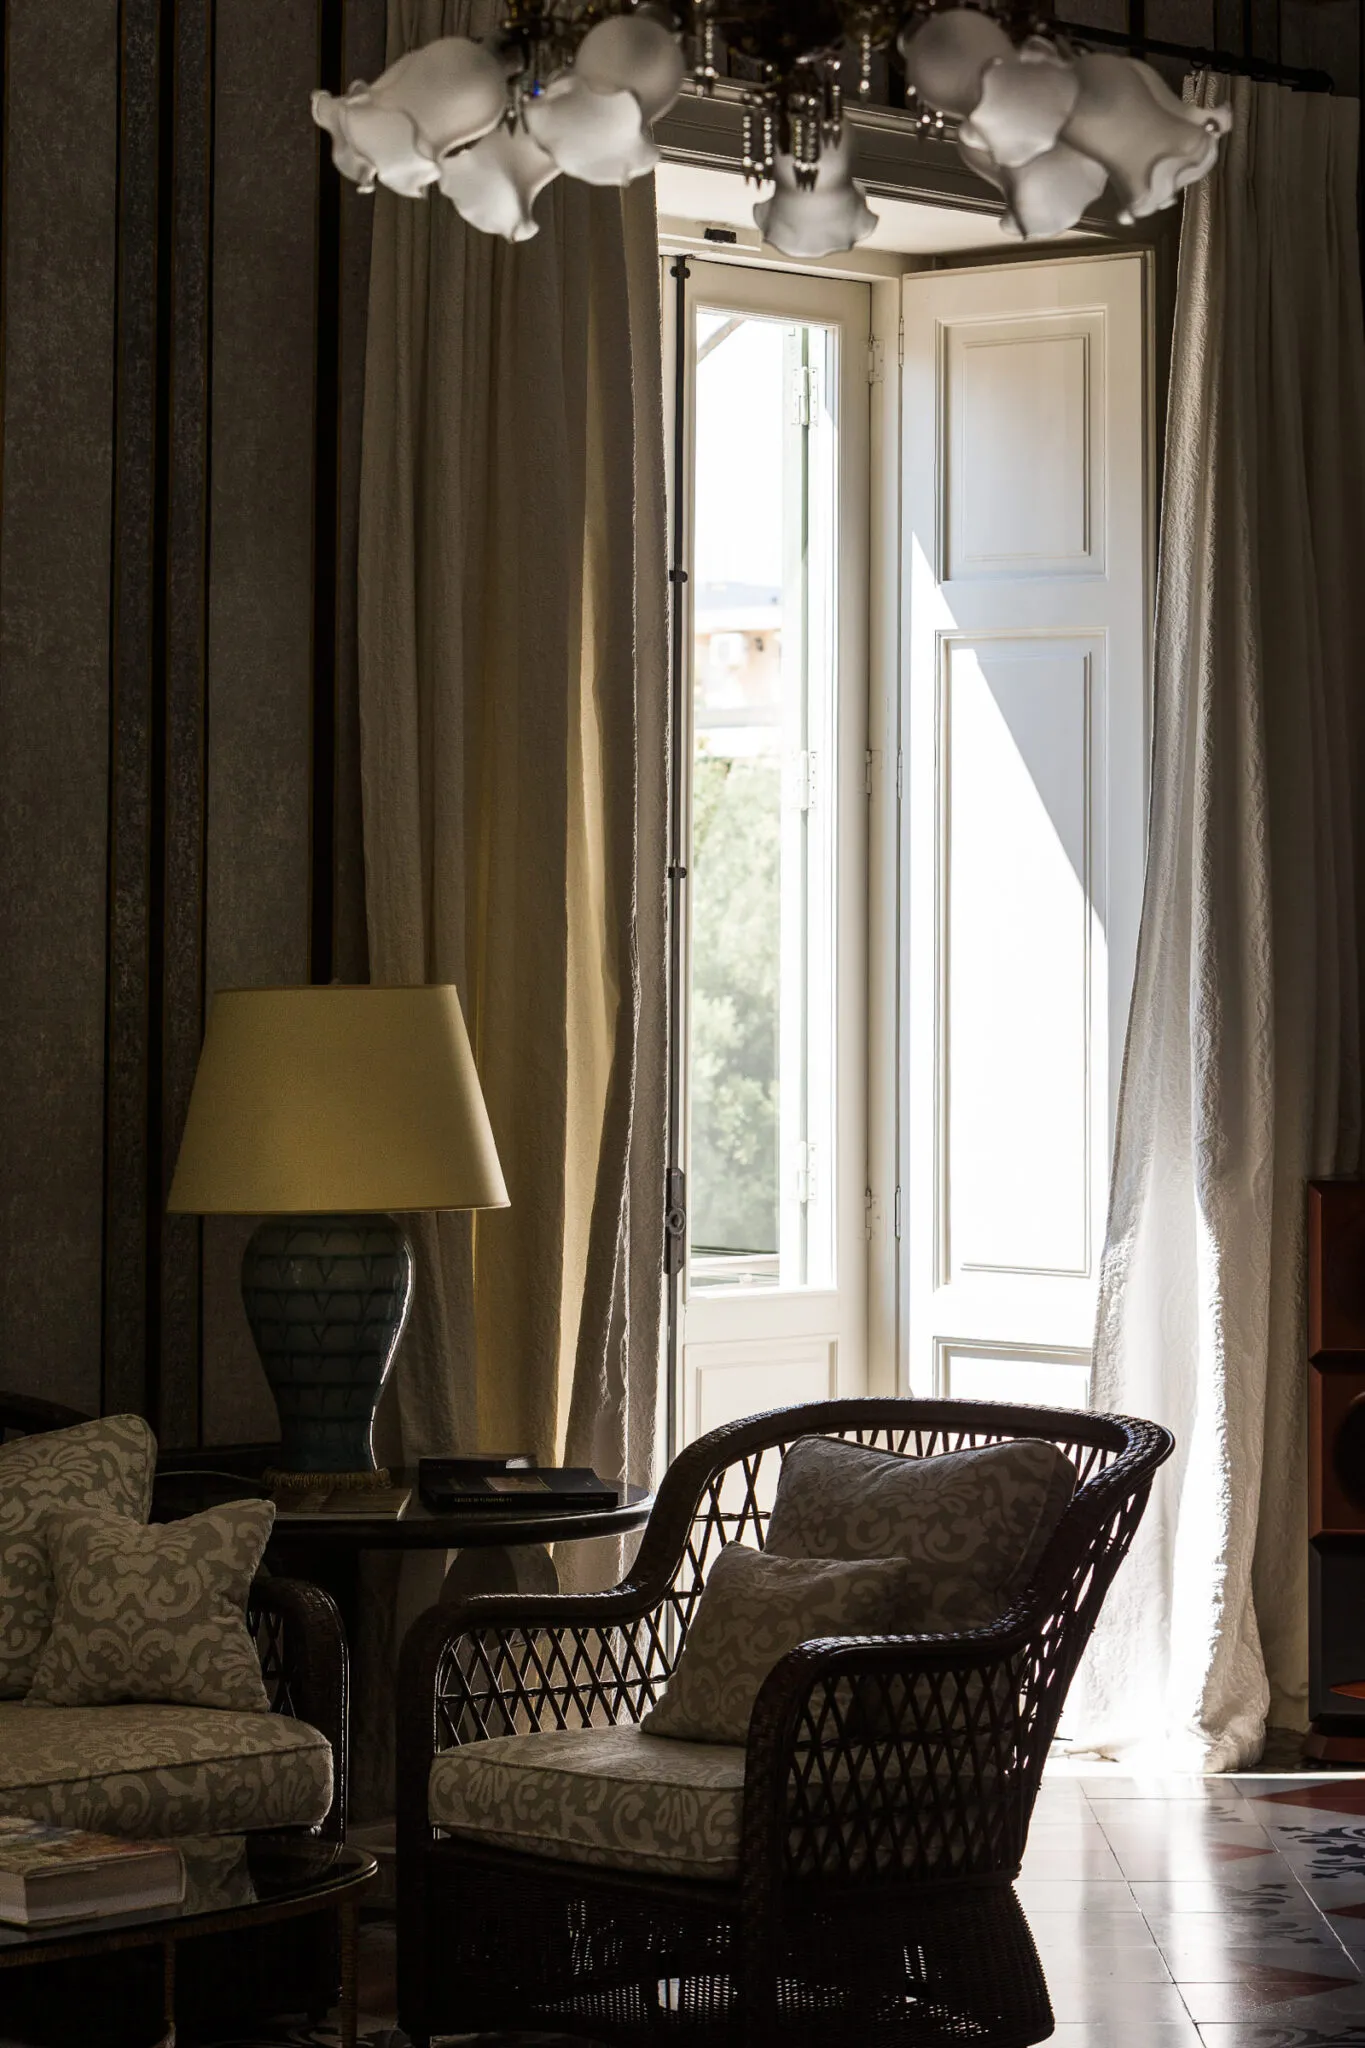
572	87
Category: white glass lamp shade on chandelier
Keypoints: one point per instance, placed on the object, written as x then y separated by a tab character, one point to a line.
564	88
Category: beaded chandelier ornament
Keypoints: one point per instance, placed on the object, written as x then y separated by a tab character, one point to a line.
572	87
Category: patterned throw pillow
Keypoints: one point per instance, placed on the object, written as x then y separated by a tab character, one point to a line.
980	1518
107	1465
156	1613
753	1610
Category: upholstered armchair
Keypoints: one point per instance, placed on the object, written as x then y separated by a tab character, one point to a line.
295	1626
847	1875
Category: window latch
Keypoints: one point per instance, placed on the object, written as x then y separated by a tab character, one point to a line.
675	1219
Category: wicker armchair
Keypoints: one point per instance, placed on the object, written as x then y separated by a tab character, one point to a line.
295	1626
888	1782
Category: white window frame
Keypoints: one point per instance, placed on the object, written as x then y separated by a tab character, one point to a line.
807	1324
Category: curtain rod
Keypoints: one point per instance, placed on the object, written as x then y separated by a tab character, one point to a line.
1259	68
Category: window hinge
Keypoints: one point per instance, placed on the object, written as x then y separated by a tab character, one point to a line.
805	1174
872	1217
900	775
876	360
675	1219
900	339
804	774
898	1215
867	771
803	395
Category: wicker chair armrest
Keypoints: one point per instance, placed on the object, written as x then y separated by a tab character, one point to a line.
504	1664
908	1757
490	1626
302	1647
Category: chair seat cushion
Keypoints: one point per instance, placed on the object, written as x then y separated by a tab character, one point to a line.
609	1796
154	1770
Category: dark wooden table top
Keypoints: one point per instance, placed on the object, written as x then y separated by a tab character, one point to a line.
188	1481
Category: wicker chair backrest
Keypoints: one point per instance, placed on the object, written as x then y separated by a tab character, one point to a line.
728	1478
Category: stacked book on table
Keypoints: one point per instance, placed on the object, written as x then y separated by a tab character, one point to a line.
49	1874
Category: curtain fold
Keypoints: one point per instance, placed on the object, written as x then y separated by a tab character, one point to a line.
513	691
1242	1073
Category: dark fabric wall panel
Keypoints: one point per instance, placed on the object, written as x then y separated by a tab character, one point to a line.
59	186
261	547
129	1358
177	933
182	323
361	56
261	579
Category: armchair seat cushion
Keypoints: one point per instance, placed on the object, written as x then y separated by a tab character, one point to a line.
157	1770
609	1796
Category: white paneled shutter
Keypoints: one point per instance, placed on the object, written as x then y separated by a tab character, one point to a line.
1025	582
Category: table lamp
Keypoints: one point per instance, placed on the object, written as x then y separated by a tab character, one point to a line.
319	1109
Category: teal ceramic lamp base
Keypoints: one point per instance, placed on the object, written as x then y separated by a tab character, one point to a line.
327	1298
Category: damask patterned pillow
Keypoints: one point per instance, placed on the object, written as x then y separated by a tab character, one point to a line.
985	1516
106	1464
753	1610
156	1613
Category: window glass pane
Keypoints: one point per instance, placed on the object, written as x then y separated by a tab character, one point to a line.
761	1036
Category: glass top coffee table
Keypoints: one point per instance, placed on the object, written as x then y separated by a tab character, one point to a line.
230	1881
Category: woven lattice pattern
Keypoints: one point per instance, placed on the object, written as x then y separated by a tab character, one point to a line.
302	1647
888	1787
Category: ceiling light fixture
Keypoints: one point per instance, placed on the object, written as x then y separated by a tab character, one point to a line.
573	86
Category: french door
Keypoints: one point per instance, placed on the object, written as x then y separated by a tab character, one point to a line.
770	496
1025	579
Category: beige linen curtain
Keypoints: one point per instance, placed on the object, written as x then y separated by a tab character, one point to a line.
513	691
1242	1075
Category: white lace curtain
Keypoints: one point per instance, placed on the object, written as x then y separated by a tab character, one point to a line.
1242	1076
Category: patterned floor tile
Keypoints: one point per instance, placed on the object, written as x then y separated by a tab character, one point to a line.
1330	1853
1119	2033
1307	1997
1183	1789
1144	1861
1244	1894
1206	1955
1106	1965
1091	1999
1071	1860
1219	1809
1183	1932
1067	1934
1075	1895
1313	1795
1280	2034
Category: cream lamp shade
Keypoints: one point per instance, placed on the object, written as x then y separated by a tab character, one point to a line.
336	1101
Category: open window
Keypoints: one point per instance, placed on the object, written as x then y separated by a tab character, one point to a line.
912	536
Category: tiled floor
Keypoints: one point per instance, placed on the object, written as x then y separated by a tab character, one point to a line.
1169	1913
1200	1912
